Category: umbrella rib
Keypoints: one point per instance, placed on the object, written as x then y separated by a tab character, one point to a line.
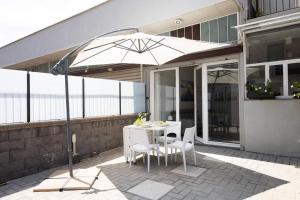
97	53
125	48
146	44
127	51
155	43
169	47
133	42
103	45
150	52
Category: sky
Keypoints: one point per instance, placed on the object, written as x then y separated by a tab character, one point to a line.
19	18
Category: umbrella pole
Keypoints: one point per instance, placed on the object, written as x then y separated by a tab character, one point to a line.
69	141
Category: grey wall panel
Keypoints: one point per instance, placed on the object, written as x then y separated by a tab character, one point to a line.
272	127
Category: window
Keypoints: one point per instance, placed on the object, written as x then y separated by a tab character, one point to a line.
180	33
205	31
293	75
213	31
276	78
256	75
173	33
188	32
281	76
165	34
232	32
222	29
219	30
273	45
277	53
196	32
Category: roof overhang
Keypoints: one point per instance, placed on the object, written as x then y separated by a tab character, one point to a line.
271	23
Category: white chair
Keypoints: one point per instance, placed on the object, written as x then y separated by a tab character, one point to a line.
188	144
139	143
174	128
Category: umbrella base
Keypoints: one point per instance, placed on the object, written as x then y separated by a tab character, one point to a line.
60	181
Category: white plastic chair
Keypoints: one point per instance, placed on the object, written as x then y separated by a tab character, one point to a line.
188	144
139	142
175	128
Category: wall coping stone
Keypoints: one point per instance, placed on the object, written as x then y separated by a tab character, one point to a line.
25	125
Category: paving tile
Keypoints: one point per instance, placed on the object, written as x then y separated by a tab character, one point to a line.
244	175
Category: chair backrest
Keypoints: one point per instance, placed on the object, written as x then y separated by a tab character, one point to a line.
139	136
175	127
189	135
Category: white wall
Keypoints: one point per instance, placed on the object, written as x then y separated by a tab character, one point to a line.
112	15
272	127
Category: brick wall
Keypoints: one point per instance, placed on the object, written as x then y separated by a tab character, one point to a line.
28	148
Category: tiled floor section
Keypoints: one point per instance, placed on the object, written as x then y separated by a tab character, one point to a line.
230	174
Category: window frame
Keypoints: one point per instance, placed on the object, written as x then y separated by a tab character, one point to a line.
267	65
208	20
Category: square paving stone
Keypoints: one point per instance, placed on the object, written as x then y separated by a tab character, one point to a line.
151	189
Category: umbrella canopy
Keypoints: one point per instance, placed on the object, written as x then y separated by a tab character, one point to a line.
137	48
134	48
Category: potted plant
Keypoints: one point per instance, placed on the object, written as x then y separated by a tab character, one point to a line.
296	90
142	117
256	91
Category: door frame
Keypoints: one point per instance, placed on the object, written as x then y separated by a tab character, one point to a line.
152	92
205	138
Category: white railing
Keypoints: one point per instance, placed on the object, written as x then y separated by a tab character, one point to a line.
32	96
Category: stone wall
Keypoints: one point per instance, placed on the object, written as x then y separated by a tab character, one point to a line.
29	148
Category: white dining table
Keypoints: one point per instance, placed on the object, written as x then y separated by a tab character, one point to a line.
152	129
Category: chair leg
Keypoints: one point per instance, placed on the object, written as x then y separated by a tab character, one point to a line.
184	161
195	161
143	158
175	154
134	157
158	159
148	163
166	155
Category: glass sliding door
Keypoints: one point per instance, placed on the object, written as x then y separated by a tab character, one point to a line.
186	94
198	102
165	95
223	103
216	91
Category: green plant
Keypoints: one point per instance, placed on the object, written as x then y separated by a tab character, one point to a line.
296	89
258	91
143	116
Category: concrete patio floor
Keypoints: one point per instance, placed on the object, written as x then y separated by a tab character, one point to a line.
230	174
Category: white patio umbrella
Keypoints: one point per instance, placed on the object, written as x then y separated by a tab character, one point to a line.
134	48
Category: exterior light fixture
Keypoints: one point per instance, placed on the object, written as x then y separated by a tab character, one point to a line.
178	21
